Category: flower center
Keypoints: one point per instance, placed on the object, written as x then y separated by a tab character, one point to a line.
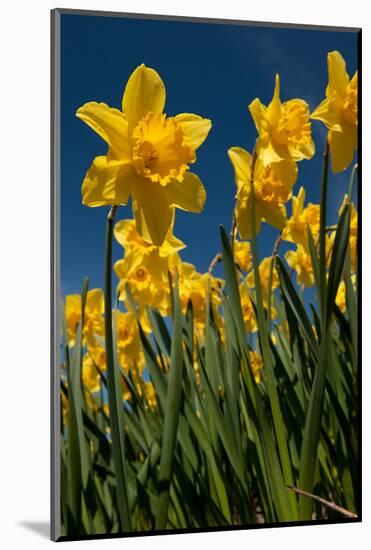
140	273
293	126
269	189
160	152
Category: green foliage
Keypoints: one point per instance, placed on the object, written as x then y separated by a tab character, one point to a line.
218	448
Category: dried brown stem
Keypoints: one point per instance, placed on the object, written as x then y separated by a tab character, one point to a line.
327	503
218	258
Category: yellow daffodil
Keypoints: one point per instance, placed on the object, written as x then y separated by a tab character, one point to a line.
296	227
98	354
248	312
93	315
128	342
272	189
147	277
339	112
90	375
264	269
301	261
284	129
193	286
150	395
341	296
127	236
148	156
256	364
242	254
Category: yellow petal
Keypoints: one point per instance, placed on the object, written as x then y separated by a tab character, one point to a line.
275	216
195	128
152	211
274	108
122	230
287	172
291	258
298	202
110	124
241	161
189	194
144	93
106	183
259	113
243	218
338	78
269	153
95	301
342	146
171	245
328	112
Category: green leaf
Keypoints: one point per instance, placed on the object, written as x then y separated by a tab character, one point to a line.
115	402
173	400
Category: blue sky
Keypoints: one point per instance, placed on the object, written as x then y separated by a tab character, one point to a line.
214	70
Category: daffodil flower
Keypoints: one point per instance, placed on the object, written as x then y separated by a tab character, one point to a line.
128	342
341	296
127	236
296	228
300	260
90	375
272	188
193	286
242	254
93	316
264	270
284	129
248	312
148	156
339	112
256	364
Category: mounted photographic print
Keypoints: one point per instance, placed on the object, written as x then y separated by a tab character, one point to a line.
205	275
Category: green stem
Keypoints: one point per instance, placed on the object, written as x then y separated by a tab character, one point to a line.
352	182
322	233
172	411
290	508
270	280
308	454
115	404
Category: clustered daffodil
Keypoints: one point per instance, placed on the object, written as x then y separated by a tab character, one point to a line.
301	261
256	364
272	189
285	138
247	307
284	129
296	229
339	112
242	254
93	315
144	268
193	287
264	270
341	296
148	156
148	160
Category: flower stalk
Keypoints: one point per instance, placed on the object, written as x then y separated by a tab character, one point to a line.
113	387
